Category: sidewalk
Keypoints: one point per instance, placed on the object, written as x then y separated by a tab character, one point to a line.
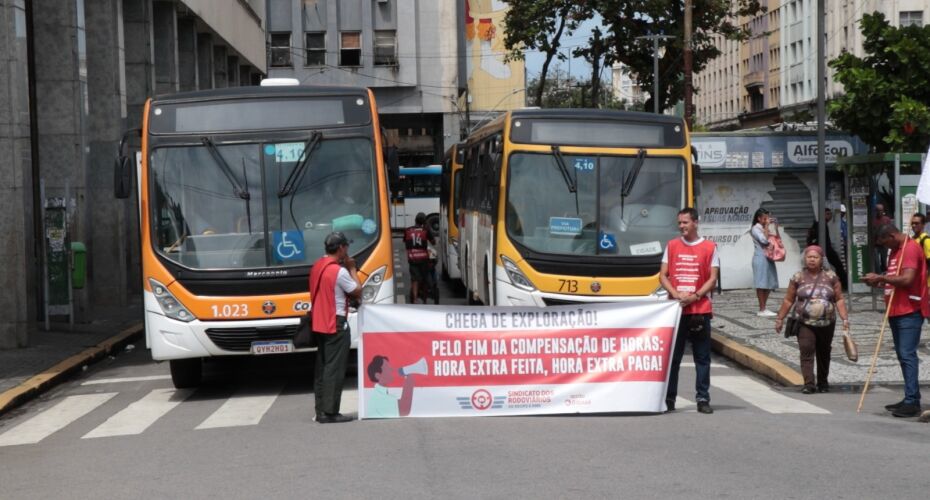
735	320
54	355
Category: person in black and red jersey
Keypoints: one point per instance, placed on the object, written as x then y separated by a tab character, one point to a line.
416	239
689	271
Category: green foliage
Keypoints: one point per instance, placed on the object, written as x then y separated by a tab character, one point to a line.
541	25
560	91
886	93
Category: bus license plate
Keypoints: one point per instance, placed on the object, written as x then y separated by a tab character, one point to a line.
272	347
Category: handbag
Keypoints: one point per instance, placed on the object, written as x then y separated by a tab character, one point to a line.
304	336
775	251
852	350
792	327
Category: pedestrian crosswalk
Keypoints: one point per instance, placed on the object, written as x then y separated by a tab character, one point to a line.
250	404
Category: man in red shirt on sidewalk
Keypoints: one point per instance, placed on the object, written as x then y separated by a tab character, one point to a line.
689	271
906	310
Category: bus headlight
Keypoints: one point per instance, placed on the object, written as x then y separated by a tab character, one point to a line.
373	285
517	278
170	305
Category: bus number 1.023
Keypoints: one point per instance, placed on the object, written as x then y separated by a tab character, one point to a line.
230	310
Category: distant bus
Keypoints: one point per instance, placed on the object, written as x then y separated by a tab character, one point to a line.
417	190
571	206
238	189
450	201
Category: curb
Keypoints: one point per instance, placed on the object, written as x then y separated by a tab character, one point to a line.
45	380
756	361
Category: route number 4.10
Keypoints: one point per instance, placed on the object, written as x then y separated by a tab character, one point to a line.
570	286
230	310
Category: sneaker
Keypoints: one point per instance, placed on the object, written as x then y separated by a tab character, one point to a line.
704	407
669	405
823	388
332	418
907	411
808	389
766	314
894	406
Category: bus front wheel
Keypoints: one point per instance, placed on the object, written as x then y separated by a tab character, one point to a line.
186	373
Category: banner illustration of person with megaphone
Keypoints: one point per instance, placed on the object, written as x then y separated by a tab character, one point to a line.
381	403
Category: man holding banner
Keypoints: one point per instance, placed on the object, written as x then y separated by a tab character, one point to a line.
689	271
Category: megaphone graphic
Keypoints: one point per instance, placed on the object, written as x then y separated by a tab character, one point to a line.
418	368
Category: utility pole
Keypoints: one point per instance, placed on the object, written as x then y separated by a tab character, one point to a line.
689	61
655	66
821	125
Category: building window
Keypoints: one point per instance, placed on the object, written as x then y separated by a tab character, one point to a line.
350	48
385	48
912	18
316	49
280	49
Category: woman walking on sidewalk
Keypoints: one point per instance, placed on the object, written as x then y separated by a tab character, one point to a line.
816	295
765	277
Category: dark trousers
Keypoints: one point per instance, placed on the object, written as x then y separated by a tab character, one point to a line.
815	342
700	348
332	356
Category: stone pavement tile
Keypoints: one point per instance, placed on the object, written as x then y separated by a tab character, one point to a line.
735	317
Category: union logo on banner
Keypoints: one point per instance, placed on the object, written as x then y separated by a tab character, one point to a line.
481	400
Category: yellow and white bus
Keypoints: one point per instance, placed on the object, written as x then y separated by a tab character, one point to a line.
238	189
569	206
450	201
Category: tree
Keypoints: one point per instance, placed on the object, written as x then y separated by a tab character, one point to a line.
626	20
594	54
540	25
560	91
887	92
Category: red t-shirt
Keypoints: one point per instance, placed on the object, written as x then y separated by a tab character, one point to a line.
689	267
912	298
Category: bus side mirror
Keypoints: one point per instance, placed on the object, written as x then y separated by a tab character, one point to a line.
122	171
695	174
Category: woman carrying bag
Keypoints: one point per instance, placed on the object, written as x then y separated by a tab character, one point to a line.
814	296
764	274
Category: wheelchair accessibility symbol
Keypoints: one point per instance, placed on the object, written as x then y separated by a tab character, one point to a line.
288	245
607	242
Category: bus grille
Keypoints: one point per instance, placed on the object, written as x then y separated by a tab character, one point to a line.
562	302
240	339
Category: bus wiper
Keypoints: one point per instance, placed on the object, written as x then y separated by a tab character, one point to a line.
298	173
572	186
630	180
215	153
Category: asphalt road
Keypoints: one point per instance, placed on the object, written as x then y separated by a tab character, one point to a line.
247	433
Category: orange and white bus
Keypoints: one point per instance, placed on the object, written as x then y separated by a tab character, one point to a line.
570	206
450	201
238	188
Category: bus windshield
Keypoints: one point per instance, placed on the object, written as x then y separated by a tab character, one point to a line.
207	216
595	218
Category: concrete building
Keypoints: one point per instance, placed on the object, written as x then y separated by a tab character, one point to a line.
75	75
718	89
419	57
625	86
778	63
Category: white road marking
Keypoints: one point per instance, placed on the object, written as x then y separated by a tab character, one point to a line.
138	416
712	365
761	396
53	419
349	403
241	410
126	379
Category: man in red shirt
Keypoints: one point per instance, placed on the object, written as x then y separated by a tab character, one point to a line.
333	278
907	308
689	271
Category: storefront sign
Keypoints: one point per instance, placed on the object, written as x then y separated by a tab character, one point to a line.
470	361
770	151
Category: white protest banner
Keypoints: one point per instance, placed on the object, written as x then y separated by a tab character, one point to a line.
473	361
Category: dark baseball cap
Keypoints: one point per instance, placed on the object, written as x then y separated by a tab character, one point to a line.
335	240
